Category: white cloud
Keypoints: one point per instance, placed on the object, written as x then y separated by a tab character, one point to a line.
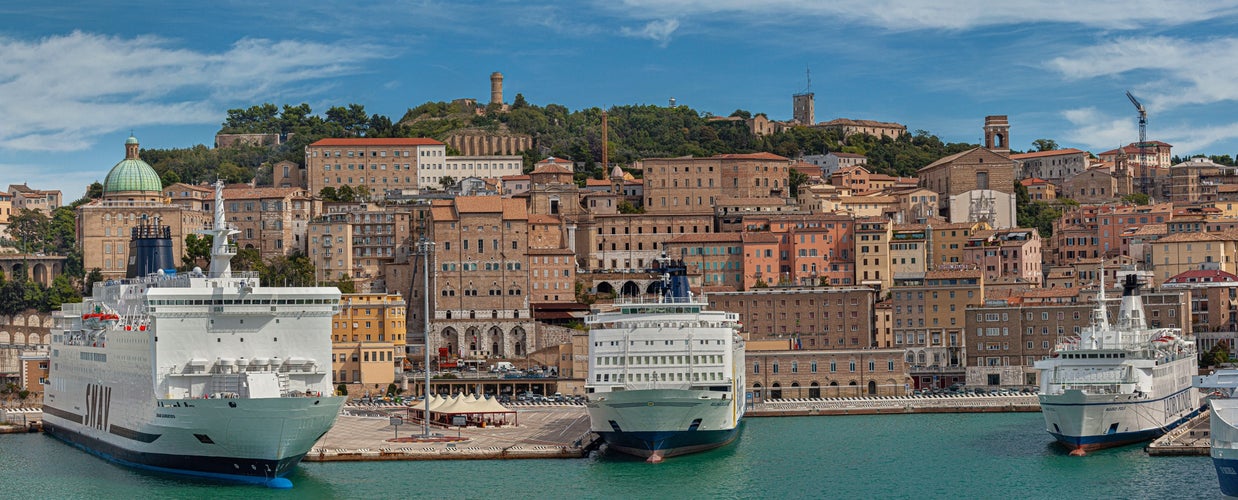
1182	72
62	92
1097	131
950	15
1102	132
659	30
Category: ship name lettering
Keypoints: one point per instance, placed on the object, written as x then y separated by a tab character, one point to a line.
98	406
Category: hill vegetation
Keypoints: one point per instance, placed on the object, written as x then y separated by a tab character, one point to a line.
635	132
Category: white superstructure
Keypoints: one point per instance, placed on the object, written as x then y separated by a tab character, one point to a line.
1223	426
1118	384
666	376
206	374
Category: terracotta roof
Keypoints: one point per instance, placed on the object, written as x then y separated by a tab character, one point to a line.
522	177
1150	229
706	238
1032	181
1191	237
947	159
250	193
1044	293
1042	154
1203	276
551	168
596	182
366	141
751	156
478	204
862	123
759	238
551	159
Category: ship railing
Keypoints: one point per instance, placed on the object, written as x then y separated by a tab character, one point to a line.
625	301
1093	387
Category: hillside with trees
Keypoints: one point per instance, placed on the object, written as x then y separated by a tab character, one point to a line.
635	132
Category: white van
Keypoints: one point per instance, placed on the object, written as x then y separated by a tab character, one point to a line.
502	366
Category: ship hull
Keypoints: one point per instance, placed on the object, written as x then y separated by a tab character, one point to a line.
1224	451
1088	422
254	442
660	423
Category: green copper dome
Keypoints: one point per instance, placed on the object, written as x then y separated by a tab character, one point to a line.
132	174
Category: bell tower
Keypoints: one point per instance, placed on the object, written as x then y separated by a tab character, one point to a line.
997	134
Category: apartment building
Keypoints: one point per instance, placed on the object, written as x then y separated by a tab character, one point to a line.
815	317
368	339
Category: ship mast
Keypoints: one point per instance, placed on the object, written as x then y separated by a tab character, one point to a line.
1100	317
221	250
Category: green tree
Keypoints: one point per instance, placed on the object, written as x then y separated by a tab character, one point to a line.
1045	145
328	194
1137	199
519	102
169	177
197	251
88	284
345	194
290	270
363	193
30	229
341	390
626	207
345	285
352	119
248	259
95	190
795	180
61	292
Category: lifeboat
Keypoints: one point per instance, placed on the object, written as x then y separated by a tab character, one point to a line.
100	320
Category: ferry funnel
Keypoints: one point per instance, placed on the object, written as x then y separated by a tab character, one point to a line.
150	249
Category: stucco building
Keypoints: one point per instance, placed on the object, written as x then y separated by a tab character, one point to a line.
132	193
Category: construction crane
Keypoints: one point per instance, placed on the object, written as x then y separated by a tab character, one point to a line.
1143	138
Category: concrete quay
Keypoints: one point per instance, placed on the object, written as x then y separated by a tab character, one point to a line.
544	431
1193	438
896	405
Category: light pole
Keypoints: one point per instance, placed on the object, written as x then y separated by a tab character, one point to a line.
425	248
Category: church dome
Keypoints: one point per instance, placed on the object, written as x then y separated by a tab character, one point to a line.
132	175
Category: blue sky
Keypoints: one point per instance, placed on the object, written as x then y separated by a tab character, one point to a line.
78	76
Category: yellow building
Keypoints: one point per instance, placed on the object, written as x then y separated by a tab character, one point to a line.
368	337
1181	252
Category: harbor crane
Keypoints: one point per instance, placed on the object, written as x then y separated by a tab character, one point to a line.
1143	138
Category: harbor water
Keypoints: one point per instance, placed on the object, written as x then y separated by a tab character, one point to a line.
992	455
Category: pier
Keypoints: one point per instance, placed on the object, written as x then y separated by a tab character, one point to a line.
1192	438
546	431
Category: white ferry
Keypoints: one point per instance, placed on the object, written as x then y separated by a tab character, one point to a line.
1116	385
202	374
666	376
1223	426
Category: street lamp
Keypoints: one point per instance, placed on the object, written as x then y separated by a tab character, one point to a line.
425	248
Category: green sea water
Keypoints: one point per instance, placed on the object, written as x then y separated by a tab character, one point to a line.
1004	455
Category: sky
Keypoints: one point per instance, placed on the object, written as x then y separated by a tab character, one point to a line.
78	77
